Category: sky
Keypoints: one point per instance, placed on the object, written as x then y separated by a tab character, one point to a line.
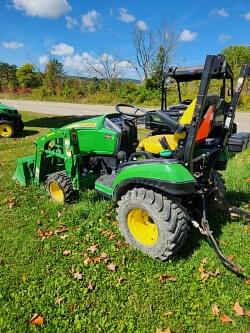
79	32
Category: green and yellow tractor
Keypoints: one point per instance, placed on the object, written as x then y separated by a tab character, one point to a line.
162	184
10	121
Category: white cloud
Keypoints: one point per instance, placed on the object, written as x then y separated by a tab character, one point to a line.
247	16
81	64
43	60
223	38
125	16
43	8
142	25
71	22
62	49
91	20
13	45
187	35
220	12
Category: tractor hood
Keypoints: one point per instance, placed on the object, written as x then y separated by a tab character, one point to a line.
95	122
8	110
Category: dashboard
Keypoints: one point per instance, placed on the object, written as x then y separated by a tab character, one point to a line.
116	119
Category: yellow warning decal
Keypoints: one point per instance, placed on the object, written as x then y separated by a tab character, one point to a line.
82	124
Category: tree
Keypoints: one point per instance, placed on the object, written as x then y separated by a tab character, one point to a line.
237	55
28	77
145	51
153	52
8	76
107	68
53	76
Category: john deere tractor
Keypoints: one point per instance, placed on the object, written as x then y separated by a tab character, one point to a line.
163	183
10	121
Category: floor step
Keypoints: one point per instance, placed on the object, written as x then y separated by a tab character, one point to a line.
103	185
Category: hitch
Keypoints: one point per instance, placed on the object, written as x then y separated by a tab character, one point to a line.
204	229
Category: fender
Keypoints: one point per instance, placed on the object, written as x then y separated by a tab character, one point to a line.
165	175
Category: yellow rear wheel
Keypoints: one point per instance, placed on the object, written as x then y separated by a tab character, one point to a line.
152	223
142	227
6	130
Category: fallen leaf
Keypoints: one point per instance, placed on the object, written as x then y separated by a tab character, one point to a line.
167	277
225	319
66	252
238	309
63	237
247	281
111	236
71	307
58	300
111	267
97	260
120	279
88	261
167	330
103	255
215	310
37	320
59	214
77	275
120	244
93	248
247	180
38	222
11	202
168	313
62	228
90	286
44	233
230	258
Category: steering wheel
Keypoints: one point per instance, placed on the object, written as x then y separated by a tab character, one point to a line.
133	114
187	101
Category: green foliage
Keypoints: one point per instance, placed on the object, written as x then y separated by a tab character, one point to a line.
8	76
53	76
237	55
158	68
28	77
35	276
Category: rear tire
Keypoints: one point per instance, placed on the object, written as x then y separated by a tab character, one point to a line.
152	223
60	187
7	129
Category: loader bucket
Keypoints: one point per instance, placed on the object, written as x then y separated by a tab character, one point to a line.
25	170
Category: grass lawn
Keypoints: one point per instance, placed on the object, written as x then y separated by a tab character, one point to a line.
70	265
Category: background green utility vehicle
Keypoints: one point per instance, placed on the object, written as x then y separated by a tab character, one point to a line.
162	184
10	121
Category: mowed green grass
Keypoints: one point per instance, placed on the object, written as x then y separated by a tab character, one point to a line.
73	294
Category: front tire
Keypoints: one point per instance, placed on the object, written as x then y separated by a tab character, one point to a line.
60	187
152	223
